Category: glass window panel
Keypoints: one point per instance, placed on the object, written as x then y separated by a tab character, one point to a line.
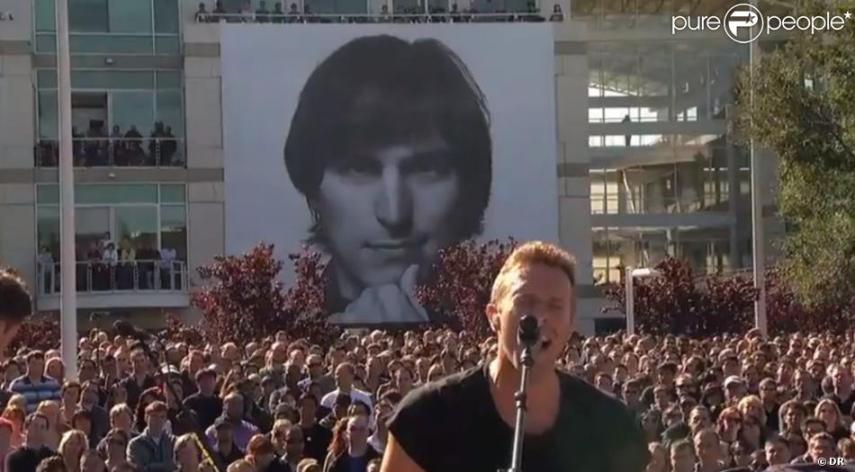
45	15
88	15
48	229
92	224
110	43
47	194
132	108
166	16
169	111
46	43
47	115
173	229
168	80
167	45
46	78
115	193
130	16
350	6
102	79
137	224
172	194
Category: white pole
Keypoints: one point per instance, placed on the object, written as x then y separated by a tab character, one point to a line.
68	306
630	303
757	240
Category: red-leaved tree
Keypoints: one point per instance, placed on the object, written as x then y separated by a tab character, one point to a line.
42	334
786	313
305	302
462	281
241	297
677	302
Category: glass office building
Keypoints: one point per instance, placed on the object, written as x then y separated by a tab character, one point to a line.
661	174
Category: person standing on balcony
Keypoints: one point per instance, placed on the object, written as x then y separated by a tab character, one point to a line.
133	146
111	258
202	15
155	145
246	12
125	271
627	139
46	268
278	14
169	147
167	259
117	149
262	15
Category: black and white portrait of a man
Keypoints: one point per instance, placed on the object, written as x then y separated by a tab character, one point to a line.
390	147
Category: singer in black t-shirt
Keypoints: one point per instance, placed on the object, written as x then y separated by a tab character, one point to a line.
465	422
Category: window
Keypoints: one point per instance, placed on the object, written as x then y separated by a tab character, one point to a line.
139	213
129	16
88	15
115	101
127	26
173	229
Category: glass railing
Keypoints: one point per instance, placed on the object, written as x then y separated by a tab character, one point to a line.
115	152
409	16
122	276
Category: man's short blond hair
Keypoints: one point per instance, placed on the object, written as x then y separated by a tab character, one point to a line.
528	254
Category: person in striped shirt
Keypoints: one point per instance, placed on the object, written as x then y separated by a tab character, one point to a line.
35	386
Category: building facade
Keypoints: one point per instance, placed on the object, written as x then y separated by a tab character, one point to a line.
660	176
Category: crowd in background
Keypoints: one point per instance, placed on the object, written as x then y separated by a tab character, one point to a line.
280	404
97	147
103	264
413	14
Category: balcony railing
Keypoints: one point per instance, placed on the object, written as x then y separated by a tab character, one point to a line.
142	276
414	16
115	152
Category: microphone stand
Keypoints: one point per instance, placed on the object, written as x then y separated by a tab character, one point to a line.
198	434
526	361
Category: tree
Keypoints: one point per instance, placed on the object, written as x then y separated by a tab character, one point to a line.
803	108
242	297
462	281
677	302
305	302
43	334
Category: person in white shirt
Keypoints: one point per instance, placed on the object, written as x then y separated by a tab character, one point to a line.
167	258
344	375
110	255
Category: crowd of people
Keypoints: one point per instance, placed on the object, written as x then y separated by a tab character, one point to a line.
283	404
124	148
414	14
103	264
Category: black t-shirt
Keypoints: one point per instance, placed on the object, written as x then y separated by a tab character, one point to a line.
207	409
317	441
26	459
453	425
135	390
347	463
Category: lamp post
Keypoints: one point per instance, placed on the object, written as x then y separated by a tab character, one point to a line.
68	305
631	274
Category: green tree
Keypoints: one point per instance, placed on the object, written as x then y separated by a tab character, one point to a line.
804	110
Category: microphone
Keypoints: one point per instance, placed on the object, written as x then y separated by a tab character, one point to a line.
128	330
529	332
